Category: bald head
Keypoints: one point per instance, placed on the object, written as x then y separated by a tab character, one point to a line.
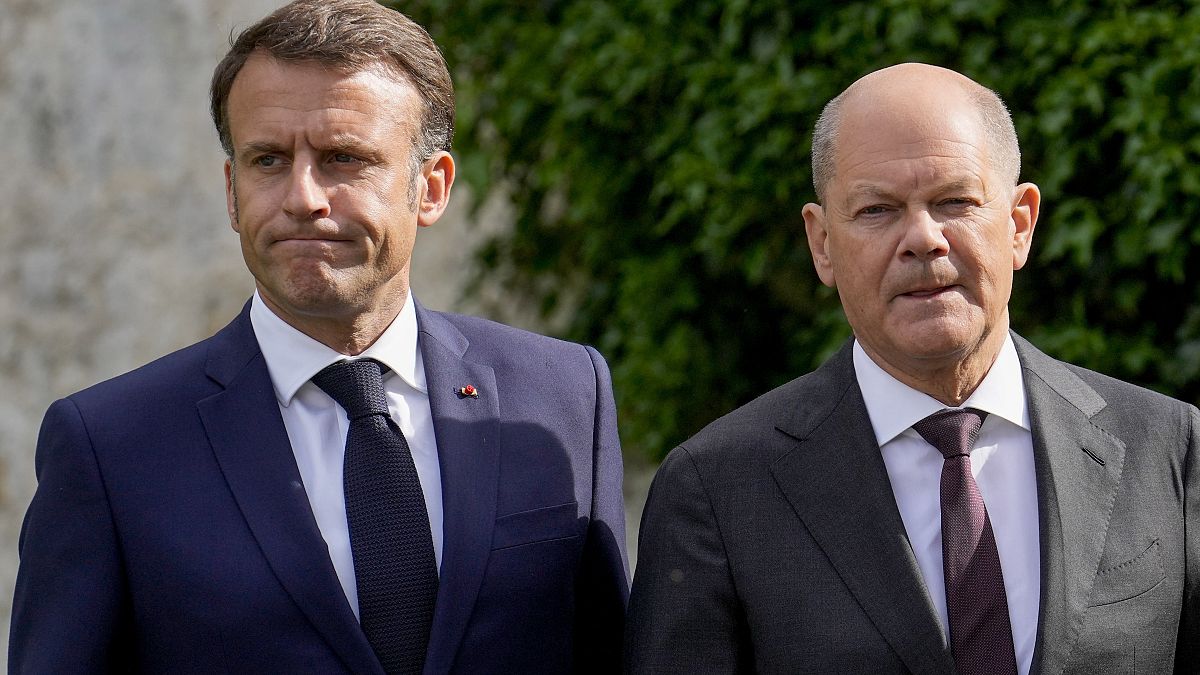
914	96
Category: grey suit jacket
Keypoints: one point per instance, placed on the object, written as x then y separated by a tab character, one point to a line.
771	541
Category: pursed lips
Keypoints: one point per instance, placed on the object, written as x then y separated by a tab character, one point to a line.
332	238
927	292
310	245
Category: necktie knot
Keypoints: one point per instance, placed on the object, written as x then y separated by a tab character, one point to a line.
356	385
952	432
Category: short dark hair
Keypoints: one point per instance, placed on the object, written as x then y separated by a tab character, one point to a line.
349	35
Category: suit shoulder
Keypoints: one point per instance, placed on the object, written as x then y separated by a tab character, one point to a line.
750	431
1124	410
1065	378
1111	388
503	341
476	326
1133	408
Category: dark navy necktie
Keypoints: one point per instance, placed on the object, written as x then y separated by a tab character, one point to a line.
976	604
394	565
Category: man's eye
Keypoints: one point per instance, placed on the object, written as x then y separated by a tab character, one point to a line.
266	161
872	210
957	201
343	158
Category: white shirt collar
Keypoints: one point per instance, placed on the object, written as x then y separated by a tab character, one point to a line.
894	406
293	357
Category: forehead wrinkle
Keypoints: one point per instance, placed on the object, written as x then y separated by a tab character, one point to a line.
326	136
322	127
893	124
328	114
911	164
931	148
381	96
901	190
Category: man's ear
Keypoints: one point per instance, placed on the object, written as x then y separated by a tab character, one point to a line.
230	198
1027	198
815	225
437	178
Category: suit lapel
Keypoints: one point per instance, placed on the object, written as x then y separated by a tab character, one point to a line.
835	480
1078	467
467	432
251	445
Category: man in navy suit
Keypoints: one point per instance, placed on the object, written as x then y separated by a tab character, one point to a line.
190	515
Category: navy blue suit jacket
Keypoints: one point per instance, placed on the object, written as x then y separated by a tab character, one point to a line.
170	531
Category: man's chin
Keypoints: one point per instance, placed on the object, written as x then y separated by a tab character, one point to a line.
315	300
935	342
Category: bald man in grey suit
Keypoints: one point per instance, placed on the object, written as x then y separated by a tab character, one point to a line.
812	529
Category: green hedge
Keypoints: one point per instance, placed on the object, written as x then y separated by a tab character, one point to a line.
657	154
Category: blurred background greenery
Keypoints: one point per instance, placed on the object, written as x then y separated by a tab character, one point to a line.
656	155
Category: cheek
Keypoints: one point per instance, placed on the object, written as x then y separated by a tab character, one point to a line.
375	204
993	275
253	204
859	291
860	267
251	226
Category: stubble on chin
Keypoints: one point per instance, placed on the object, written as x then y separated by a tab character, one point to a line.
314	289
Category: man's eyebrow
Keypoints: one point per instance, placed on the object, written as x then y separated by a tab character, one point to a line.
964	183
337	143
873	190
867	191
257	147
349	142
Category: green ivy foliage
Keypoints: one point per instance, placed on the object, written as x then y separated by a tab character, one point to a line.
657	155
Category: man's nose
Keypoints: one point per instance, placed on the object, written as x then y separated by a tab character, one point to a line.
306	199
924	236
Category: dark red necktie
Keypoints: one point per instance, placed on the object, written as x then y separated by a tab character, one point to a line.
980	635
394	564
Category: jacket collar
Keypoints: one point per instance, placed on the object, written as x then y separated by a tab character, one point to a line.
247	435
835	480
467	429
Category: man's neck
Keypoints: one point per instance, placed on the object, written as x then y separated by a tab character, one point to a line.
953	380
350	334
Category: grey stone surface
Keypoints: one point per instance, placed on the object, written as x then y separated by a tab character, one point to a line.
115	248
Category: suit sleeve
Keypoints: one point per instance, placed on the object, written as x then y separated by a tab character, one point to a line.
602	588
69	607
1187	649
684	615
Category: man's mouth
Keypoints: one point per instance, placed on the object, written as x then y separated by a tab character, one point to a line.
928	292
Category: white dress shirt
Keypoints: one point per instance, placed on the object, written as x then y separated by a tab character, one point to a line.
317	426
1002	463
